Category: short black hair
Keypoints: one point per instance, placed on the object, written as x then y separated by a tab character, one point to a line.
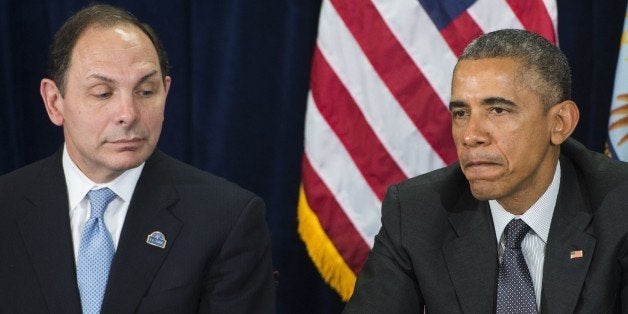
535	53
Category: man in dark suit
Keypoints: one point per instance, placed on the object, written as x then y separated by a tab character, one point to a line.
109	224
528	220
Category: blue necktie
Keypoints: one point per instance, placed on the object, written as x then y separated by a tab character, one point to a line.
95	253
515	292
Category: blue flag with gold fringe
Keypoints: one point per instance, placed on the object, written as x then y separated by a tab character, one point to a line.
618	121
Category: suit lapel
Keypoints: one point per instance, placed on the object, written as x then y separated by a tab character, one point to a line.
136	262
471	258
563	276
45	228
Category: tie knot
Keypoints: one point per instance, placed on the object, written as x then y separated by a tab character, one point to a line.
514	233
99	199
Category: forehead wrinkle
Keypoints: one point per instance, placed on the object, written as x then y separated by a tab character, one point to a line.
100	50
101	77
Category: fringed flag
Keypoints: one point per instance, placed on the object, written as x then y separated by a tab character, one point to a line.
618	122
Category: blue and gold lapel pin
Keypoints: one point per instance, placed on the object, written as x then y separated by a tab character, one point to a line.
156	238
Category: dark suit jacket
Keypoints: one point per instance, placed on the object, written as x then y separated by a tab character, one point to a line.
216	259
437	245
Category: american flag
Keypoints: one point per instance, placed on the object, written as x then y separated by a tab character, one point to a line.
377	111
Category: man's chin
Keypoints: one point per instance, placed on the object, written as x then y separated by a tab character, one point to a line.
129	159
484	192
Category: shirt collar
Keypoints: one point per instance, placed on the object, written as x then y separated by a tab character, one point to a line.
79	184
538	216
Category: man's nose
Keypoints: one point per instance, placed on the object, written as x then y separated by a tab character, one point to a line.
476	132
127	110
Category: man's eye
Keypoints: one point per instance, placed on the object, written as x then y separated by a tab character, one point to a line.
458	113
146	93
498	110
105	95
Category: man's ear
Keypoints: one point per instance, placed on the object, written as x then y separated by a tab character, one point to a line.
53	101
565	116
167	82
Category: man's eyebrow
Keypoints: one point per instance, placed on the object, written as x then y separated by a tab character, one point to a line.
146	77
456	104
498	100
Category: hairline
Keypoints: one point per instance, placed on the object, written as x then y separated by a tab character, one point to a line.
111	17
523	74
542	67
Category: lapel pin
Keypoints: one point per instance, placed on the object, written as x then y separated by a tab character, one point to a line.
156	238
576	254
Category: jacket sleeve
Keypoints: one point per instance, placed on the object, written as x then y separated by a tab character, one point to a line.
240	280
387	283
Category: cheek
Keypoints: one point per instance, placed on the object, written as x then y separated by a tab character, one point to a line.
153	118
157	116
151	111
83	123
511	151
457	132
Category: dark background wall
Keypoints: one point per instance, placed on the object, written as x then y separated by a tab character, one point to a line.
240	73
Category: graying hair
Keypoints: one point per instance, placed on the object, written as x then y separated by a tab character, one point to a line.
535	53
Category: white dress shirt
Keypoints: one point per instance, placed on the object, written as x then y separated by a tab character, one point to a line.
539	218
78	185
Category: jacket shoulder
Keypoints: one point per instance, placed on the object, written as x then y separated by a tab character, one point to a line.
444	181
24	176
598	173
438	191
187	177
